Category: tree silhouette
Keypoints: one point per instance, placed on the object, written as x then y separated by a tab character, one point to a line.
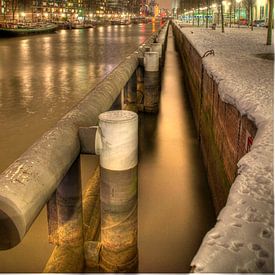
14	5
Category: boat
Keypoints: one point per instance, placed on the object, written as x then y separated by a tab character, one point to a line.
81	25
63	25
120	22
115	21
21	30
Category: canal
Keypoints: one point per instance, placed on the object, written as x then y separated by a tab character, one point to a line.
43	77
174	203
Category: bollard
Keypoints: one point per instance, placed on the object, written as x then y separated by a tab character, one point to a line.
157	47
147	49
151	61
151	82
143	50
118	194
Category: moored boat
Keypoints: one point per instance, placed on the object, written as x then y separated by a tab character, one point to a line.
81	25
16	30
120	22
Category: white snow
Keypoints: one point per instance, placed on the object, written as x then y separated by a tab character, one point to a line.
243	237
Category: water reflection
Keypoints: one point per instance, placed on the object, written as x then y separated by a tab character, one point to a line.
65	210
42	77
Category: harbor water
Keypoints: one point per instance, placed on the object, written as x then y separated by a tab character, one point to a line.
43	77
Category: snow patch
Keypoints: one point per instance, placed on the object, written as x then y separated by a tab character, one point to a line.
243	237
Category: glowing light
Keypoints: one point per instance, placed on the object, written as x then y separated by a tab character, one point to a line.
23	14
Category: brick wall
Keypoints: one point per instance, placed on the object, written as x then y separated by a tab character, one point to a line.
225	135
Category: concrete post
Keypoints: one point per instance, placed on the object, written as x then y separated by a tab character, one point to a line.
147	49
151	82
143	49
157	47
151	61
140	87
140	78
65	210
118	192
65	223
130	93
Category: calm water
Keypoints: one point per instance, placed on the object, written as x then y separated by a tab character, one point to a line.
174	204
42	77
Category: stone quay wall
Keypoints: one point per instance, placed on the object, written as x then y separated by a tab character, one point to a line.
229	80
225	135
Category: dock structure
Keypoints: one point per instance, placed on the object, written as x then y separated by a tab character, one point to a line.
206	156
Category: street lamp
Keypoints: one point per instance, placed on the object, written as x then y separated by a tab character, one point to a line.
239	2
23	16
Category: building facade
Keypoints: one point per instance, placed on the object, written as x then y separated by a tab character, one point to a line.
234	9
36	10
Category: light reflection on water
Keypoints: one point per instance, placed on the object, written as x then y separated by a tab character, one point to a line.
42	77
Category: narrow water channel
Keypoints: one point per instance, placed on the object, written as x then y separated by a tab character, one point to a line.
175	208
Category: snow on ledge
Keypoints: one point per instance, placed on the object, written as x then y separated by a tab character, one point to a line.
243	238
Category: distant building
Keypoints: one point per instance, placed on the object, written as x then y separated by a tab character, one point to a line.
96	8
144	8
151	5
261	9
37	10
120	6
237	9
